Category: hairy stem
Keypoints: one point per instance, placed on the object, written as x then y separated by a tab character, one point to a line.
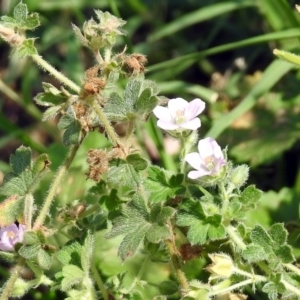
231	288
130	131
177	265
57	181
292	268
140	274
59	76
28	210
290	287
235	237
99	282
9	285
108	128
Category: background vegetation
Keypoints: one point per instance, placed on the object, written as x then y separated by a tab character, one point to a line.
219	51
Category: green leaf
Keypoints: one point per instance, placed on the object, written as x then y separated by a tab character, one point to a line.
44	259
8	256
116	109
201	227
31	238
40	166
161	184
11	209
139	222
132	92
70	254
72	126
24	175
29	251
87	253
278	234
274	244
51	96
20	12
9	21
254	253
123	177
250	195
78	295
274	287
21	161
21	19
71	275
51	113
137	161
146	102
168	287
27	48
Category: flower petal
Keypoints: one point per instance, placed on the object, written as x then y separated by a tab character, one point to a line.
194	108
194	160
218	151
167	125
6	246
162	113
206	147
192	124
177	104
198	174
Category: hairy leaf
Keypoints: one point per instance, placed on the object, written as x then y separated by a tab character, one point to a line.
139	222
201	227
162	185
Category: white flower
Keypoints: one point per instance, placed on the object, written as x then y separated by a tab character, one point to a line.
179	114
10	235
208	161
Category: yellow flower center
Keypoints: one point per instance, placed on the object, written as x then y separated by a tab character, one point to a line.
11	234
210	162
179	117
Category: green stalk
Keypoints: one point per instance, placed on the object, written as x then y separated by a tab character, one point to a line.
28	210
99	282
59	76
140	273
9	285
57	181
177	265
231	288
108	128
130	131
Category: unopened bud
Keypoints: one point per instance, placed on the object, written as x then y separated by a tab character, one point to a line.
222	266
9	35
239	175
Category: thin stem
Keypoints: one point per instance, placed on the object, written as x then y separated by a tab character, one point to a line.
254	277
28	210
292	268
176	265
130	130
59	76
235	237
140	274
99	282
57	181
108	128
230	288
290	287
9	285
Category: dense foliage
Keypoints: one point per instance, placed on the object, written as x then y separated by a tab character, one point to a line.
98	201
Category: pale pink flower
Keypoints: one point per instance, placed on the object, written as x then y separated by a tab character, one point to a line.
179	114
208	161
10	235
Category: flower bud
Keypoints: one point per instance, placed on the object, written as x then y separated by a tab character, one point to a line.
239	175
221	267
